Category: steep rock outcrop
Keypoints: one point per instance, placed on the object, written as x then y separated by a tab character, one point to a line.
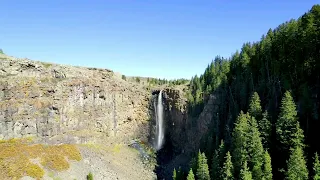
70	104
176	118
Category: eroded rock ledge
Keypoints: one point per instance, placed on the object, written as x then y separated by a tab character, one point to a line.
72	104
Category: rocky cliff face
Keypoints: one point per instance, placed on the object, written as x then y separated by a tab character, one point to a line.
176	118
69	104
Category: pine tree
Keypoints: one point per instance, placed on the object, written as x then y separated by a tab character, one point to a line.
222	153
298	137
255	149
265	130
245	173
203	169
297	169
316	167
217	161
267	169
227	169
255	107
215	168
194	164
240	139
190	175
286	124
174	176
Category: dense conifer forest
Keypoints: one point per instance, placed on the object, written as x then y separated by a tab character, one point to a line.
269	122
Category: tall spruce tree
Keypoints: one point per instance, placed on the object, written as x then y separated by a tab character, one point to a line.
265	128
298	137
255	109
267	168
217	161
203	169
297	168
245	173
227	169
255	149
316	167
240	140
190	175
194	164
286	123
215	168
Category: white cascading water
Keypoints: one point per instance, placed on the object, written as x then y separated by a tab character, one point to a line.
159	122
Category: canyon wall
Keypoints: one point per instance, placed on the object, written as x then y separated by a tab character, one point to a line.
69	104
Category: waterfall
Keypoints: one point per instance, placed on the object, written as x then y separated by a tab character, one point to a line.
159	122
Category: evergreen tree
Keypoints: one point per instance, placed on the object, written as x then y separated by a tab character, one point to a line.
267	170
316	167
227	169
255	109
245	173
286	124
190	175
203	169
240	139
297	169
265	130
215	168
194	164
217	161
255	149
298	137
174	175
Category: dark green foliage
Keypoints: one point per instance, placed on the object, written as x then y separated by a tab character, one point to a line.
240	141
245	173
286	125
265	128
203	169
90	176
194	164
180	174
227	169
190	175
217	161
255	149
215	167
124	77
137	79
297	168
298	137
177	175
285	59
255	109
316	167
267	168
154	81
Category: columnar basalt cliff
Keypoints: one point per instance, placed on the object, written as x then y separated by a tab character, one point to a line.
176	118
69	103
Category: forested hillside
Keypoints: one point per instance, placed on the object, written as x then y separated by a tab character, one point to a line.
269	124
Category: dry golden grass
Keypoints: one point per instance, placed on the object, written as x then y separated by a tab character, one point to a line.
55	162
15	155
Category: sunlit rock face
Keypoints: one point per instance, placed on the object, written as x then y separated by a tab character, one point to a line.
75	104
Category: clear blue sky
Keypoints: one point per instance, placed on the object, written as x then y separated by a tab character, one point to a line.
156	38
